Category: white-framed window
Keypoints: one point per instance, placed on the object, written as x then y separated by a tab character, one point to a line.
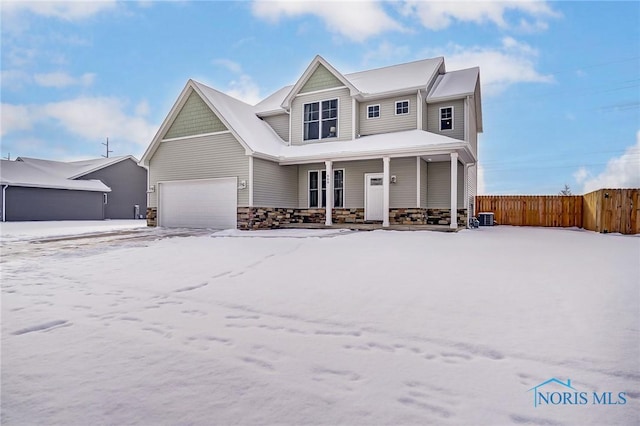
320	120
446	118
373	111
402	107
318	188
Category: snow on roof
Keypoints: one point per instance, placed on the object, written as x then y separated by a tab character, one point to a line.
396	77
74	169
242	119
455	84
33	173
272	102
389	143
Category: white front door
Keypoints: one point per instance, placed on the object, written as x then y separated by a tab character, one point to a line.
373	196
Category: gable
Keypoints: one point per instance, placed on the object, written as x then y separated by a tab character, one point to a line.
321	78
195	118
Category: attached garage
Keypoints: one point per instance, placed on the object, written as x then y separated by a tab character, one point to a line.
202	203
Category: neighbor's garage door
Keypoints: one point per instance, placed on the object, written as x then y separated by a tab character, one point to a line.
209	203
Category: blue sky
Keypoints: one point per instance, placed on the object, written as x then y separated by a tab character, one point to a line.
560	80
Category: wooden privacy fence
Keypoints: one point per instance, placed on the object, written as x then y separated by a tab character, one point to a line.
605	210
532	210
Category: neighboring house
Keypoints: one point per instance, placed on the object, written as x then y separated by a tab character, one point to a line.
105	188
394	145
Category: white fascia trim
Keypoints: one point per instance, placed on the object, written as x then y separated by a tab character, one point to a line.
354	107
419	109
272	112
466	119
408	152
43	186
195	136
405	91
456	97
321	91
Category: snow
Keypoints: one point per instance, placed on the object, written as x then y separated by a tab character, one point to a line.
379	327
19	173
454	84
395	78
25	231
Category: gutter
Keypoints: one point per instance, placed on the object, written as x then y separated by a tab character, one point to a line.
4	213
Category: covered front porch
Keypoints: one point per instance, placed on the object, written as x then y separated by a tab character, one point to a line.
416	190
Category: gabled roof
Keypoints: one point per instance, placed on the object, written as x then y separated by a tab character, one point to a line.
45	174
238	117
397	78
75	169
458	84
273	103
454	84
317	61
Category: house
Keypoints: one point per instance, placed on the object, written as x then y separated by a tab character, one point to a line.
394	145
104	188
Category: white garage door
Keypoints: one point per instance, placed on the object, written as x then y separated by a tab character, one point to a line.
208	203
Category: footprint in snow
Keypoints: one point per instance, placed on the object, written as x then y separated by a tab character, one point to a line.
47	326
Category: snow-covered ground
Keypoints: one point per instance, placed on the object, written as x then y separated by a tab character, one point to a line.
15	231
381	327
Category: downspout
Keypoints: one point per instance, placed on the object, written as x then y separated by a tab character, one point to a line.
4	213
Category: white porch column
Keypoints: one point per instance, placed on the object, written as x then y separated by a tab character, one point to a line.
329	207
454	190
418	182
385	190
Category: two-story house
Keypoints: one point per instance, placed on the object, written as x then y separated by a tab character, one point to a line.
394	145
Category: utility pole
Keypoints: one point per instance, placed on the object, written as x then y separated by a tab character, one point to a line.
9	156
108	151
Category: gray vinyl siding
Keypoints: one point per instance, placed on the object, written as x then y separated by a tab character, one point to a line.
388	120
321	79
423	183
200	157
344	115
280	124
433	118
274	185
439	185
24	204
128	183
401	194
195	118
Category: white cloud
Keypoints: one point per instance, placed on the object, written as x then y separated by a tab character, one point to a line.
16	118
93	118
69	10
386	52
245	89
440	15
243	86
62	79
229	64
13	79
356	20
510	63
620	172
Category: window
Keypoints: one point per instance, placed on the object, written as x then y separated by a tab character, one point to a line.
373	111
318	188
320	120
446	118
104	198
402	107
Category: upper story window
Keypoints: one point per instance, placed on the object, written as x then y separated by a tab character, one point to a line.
373	111
402	107
320	120
446	118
